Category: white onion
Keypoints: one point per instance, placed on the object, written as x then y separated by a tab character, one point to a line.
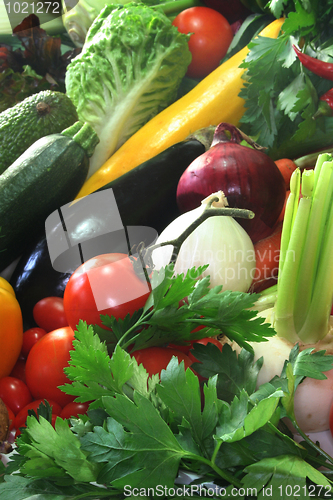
218	241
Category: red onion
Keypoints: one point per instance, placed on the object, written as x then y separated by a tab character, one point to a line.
248	177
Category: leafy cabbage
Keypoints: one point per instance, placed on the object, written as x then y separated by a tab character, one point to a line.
129	69
78	15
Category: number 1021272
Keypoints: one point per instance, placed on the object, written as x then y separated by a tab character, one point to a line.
37	8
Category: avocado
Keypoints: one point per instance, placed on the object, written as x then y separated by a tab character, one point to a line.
44	113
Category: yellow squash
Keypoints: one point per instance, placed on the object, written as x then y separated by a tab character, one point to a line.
214	100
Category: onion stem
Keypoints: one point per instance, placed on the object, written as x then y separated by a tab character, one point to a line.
208	210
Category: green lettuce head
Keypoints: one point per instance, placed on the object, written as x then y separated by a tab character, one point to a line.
130	68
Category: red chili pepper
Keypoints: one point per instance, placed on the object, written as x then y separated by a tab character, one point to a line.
318	67
325	106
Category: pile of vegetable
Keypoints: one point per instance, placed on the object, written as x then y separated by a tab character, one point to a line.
166	317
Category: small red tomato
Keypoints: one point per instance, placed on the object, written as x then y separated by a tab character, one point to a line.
19	369
44	369
14	393
21	417
209	41
74	410
155	359
49	313
205	341
30	337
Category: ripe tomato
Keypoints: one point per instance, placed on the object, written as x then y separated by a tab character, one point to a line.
74	409
49	313
30	337
44	369
106	284
210	39
19	369
14	393
155	359
21	417
205	341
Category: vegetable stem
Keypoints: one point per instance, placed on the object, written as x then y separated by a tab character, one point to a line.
175	6
208	211
284	307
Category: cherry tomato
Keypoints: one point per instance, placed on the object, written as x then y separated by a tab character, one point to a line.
49	313
106	284
155	359
209	41
74	410
14	393
11	417
19	369
205	341
30	337
45	365
21	417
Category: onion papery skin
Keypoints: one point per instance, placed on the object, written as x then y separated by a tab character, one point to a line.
248	178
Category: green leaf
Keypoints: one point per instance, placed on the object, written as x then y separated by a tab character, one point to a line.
235	372
278	476
140	432
236	422
94	374
24	488
180	392
55	451
312	364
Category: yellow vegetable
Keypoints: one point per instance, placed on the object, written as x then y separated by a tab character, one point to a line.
214	100
11	328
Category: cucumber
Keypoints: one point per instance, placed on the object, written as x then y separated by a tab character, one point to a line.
145	196
46	176
44	113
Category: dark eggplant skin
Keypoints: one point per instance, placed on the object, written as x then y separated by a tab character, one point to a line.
145	196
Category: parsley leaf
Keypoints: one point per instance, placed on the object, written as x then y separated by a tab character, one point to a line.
147	451
168	318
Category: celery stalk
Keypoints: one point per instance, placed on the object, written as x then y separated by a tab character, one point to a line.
287	280
305	282
323	190
289	217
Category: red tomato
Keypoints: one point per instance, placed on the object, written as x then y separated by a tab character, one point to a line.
210	39
30	337
74	409
155	359
106	284
45	365
14	393
19	369
21	417
11	417
205	341
49	313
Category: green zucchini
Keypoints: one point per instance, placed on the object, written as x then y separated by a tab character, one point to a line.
46	176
